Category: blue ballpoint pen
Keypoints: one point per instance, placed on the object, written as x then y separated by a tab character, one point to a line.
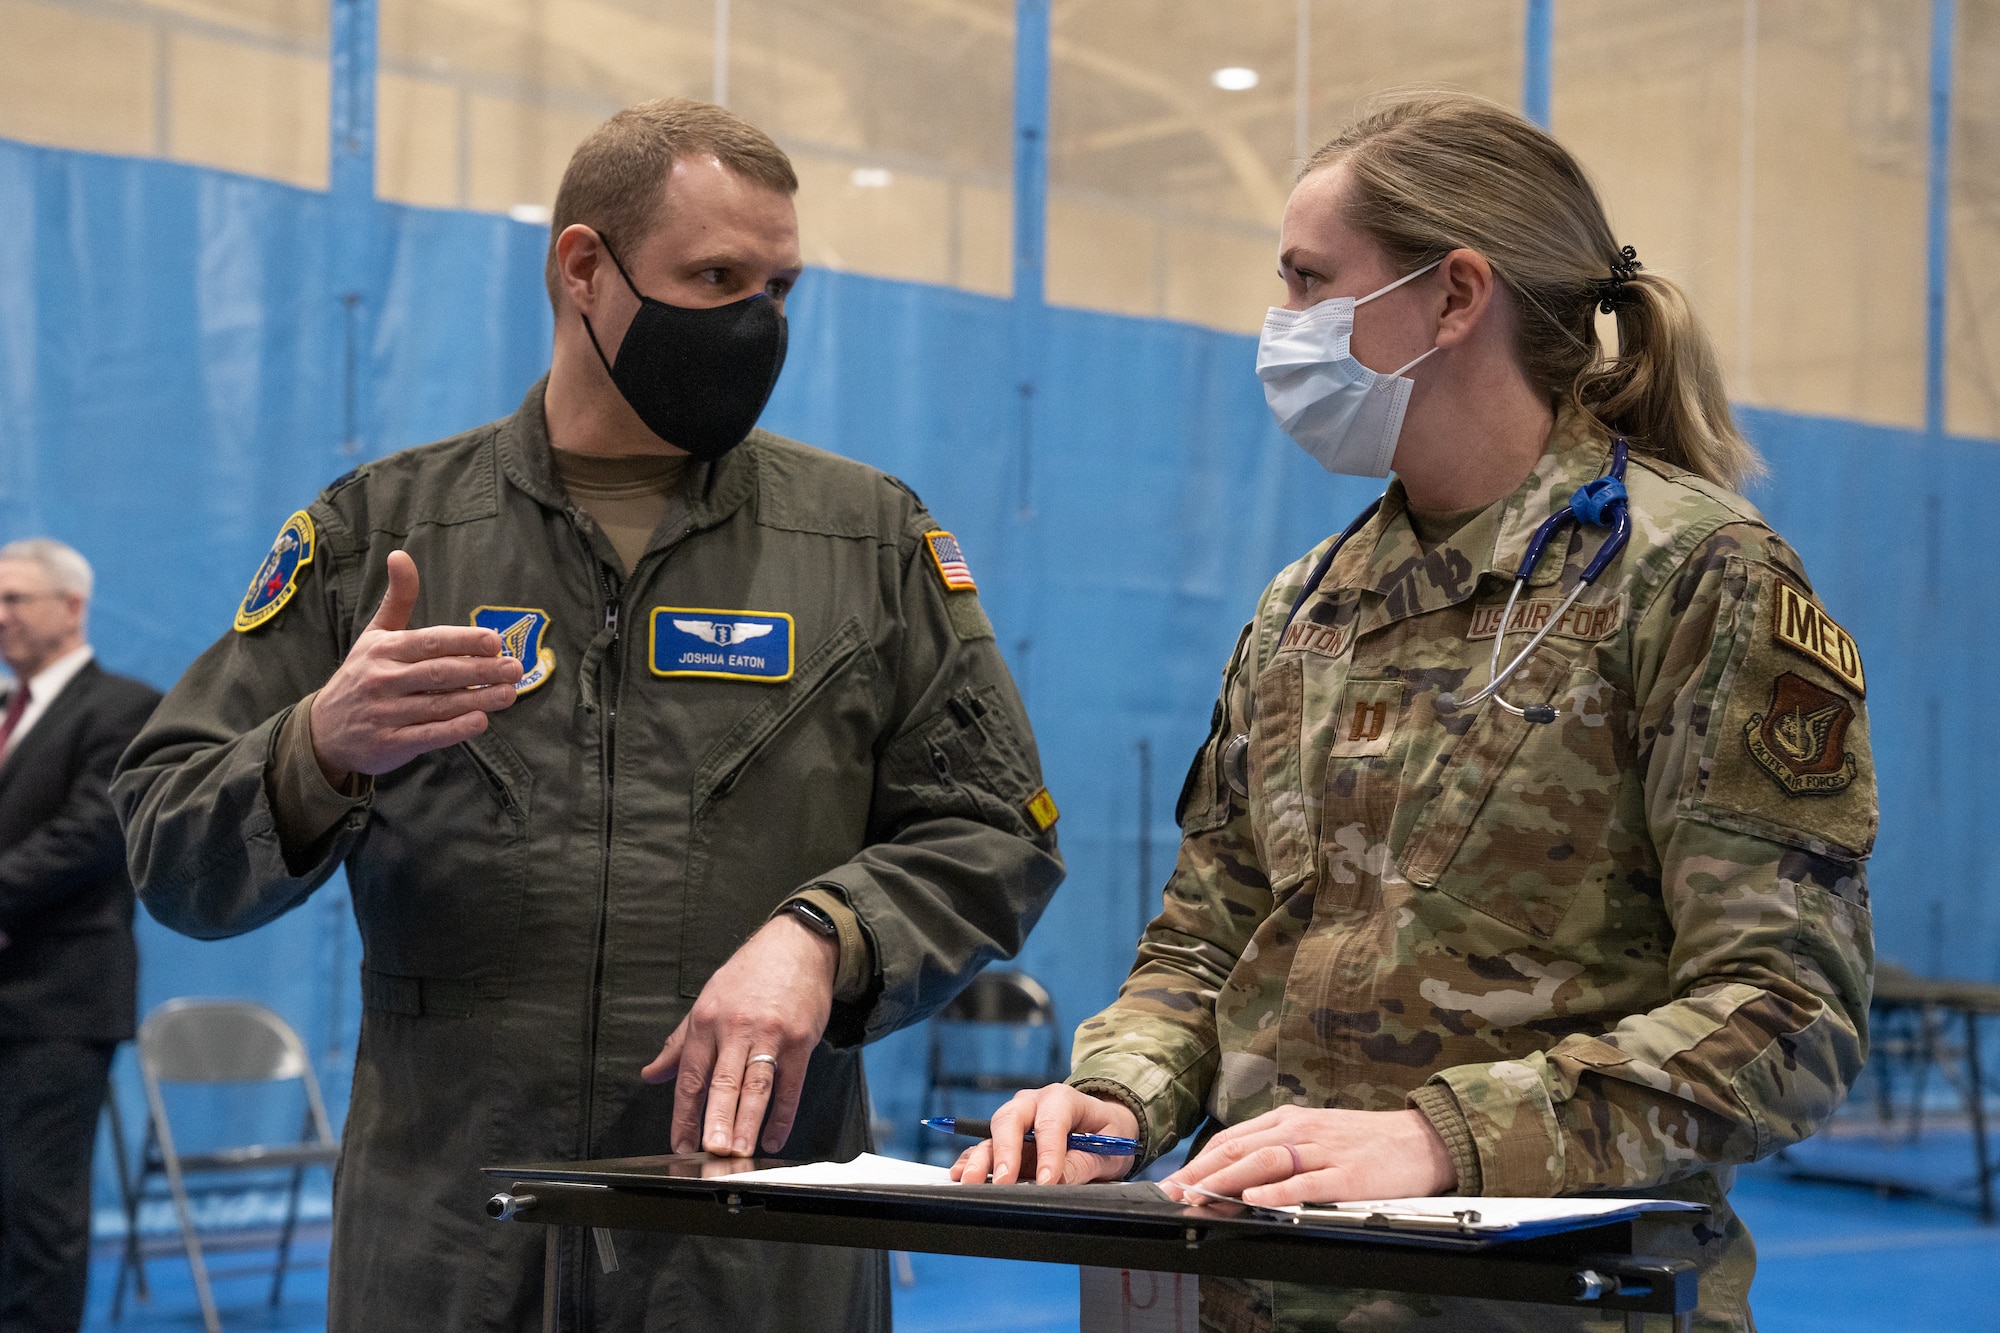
1103	1145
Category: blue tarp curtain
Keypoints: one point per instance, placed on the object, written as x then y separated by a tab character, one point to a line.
176	377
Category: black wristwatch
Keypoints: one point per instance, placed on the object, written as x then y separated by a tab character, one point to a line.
815	919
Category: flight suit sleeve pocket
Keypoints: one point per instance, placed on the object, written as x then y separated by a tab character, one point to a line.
1279	816
966	759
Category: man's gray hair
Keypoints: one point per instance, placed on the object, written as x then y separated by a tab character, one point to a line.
65	566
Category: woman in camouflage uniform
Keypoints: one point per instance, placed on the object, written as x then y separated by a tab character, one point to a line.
1411	948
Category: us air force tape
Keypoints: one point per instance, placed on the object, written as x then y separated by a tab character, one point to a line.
278	577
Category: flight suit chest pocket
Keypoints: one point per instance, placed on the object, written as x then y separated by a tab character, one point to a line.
1279	814
439	879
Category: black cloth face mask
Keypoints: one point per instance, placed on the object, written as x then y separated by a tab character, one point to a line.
698	377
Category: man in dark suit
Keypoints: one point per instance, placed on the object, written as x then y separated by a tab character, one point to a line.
69	970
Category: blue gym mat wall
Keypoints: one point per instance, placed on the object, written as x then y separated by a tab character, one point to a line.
173	382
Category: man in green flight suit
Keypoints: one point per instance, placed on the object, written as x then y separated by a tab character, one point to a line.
688	733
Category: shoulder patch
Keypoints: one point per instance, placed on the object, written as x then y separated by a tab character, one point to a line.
1041	808
521	630
278	577
949	561
1800	738
1803	627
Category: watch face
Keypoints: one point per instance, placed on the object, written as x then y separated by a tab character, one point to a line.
815	918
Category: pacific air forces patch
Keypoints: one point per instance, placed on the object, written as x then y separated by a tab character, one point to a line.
278	577
521	630
1800	738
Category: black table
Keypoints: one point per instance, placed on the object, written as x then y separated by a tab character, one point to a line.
1908	1017
1106	1226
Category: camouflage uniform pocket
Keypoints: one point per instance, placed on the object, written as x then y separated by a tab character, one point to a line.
1494	789
1278	814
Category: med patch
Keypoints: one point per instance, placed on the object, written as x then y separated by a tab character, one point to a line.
278	577
1800	738
521	630
1804	628
949	561
723	645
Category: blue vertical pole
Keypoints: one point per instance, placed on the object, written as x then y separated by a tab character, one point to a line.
351	203
1031	211
1031	147
1017	607
1937	239
1538	62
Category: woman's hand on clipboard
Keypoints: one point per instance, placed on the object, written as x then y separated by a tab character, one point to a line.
1298	1155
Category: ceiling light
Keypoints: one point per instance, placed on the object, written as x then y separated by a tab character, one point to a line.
871	178
1234	79
535	215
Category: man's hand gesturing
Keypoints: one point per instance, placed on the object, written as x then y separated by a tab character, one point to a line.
405	692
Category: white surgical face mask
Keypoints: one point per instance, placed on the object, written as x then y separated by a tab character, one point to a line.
1338	410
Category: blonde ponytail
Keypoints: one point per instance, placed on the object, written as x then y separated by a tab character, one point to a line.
1433	172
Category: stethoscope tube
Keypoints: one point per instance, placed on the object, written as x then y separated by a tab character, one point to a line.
1601	503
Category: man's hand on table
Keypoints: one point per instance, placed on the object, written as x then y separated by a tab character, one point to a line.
1297	1155
1054	1113
772	998
404	692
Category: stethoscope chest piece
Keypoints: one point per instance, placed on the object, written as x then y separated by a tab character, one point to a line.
1236	763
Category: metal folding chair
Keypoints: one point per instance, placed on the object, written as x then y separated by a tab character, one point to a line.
995	1000
209	1042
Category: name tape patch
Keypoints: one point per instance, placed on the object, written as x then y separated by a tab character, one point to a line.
1587	622
521	629
1805	628
1326	640
1041	808
278	577
726	645
950	561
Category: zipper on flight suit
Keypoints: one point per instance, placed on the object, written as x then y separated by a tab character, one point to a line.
610	675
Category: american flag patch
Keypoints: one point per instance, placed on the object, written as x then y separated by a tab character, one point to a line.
950	562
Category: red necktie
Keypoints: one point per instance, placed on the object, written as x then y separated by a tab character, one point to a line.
16	706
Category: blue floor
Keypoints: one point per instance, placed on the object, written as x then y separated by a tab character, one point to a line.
1830	1258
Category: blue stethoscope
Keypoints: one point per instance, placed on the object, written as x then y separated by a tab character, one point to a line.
1598	504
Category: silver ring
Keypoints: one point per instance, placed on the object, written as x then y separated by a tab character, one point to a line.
763	1059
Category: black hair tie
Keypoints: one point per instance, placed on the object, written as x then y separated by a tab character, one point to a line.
1622	270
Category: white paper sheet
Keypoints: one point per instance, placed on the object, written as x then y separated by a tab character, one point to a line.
867	1169
1481	1214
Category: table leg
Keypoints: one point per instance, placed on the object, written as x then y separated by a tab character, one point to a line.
551	1279
1976	1103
